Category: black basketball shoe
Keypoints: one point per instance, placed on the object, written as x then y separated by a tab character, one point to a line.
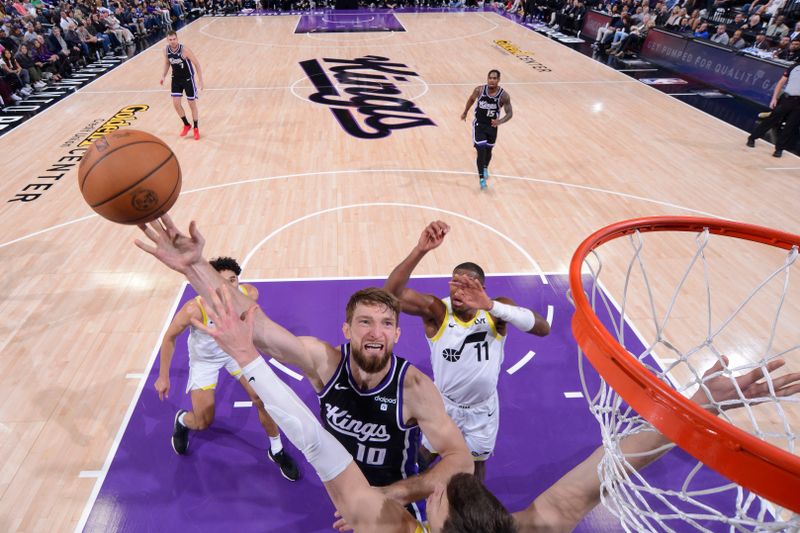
180	435
285	463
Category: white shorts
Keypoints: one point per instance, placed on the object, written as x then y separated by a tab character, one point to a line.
478	423
203	374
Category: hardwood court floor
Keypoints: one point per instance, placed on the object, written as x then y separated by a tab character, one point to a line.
276	180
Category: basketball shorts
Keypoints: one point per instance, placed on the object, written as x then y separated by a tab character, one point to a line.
204	373
483	134
478	423
184	85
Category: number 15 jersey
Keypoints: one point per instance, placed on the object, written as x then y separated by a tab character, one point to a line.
466	357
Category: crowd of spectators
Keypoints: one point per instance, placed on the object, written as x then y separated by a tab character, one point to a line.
43	42
762	27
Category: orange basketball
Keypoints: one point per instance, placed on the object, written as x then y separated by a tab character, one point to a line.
129	177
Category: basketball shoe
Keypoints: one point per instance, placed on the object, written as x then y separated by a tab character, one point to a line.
196	134
180	435
185	130
285	463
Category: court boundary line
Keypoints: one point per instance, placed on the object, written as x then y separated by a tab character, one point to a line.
399	171
112	451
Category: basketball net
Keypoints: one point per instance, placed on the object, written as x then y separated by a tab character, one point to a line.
673	327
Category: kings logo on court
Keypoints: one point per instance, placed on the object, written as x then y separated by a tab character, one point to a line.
370	105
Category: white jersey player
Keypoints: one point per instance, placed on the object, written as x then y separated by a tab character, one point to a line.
466	333
206	359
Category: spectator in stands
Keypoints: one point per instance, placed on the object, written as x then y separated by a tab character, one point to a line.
796	32
777	28
773	8
74	40
102	32
633	42
47	60
721	36
695	19
661	13
761	42
685	27
65	20
738	22
737	41
57	44
7	42
782	47
17	78
675	17
530	11
7	96
791	54
94	44
30	33
25	61
702	31
754	25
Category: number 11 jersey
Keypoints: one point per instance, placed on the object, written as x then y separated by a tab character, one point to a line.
466	357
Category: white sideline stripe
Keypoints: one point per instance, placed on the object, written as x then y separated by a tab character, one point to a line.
126	420
277	364
575	394
134	376
550	311
243	404
90	473
522	362
637	70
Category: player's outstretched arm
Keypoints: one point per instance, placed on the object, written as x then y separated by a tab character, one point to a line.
182	320
427	306
471	291
566	502
184	253
424	404
362	506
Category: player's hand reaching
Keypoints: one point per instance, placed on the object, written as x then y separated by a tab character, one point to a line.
432	236
161	82
718	390
176	250
233	333
470	291
162	387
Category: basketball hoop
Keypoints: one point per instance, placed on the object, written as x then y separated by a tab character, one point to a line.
633	372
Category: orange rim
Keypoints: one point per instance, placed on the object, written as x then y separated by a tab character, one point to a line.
765	469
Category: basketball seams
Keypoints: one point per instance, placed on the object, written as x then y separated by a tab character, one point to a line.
132	185
89	171
176	187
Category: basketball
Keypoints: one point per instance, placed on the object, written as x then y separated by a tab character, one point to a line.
129	177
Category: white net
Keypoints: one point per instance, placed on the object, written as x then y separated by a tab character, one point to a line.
678	304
